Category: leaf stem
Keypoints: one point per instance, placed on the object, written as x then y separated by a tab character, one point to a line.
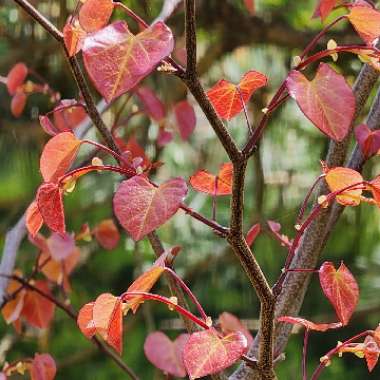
304	354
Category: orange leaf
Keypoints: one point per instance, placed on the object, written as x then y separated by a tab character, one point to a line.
13	308
144	283
16	77
85	320
208	183
73	36
107	234
108	320
34	219
49	200
18	103
206	353
43	367
340	178
340	288
94	14
366	22
371	352
311	325
38	310
58	155
228	99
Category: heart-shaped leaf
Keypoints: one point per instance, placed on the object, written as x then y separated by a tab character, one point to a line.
340	288
38	310
366	22
165	354
228	99
43	367
324	8
327	101
108	320
141	207
338	179
33	219
94	14
73	37
208	183
86	320
229	323
206	353
107	234
16	77
58	155
132	57
369	141
50	204
186	118
310	325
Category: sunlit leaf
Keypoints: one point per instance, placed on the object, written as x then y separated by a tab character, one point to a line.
208	183
366	22
205	353
16	77
338	179
43	367
310	325
152	105
186	118
340	288
38	310
229	323
94	14
86	320
58	155
327	101
132	57
228	99
165	354
73	36
141	207
108	320
107	234
33	219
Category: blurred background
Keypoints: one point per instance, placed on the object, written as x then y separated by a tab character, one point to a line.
231	41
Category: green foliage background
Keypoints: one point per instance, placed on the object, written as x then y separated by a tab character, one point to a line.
278	179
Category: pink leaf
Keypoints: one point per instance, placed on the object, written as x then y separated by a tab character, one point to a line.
186	119
132	57
165	354
141	207
61	246
252	234
43	367
311	325
230	324
327	101
369	141
152	105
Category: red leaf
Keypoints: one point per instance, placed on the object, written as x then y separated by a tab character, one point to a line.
369	141
107	234
186	118
49	200
94	14
86	321
144	283
252	234
73	36
137	151
38	310
226	97
375	189
18	103
366	22
16	77
310	325
341	289
206	353
133	57
327	101
231	324
108	320
58	155
165	354
33	219
250	5
208	183
43	367
141	207
324	8
151	103
339	178
68	115
371	352
164	137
